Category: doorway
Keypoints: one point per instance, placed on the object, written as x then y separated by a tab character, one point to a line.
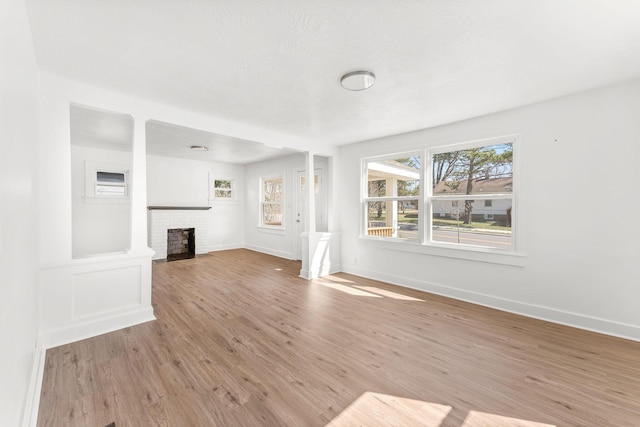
320	191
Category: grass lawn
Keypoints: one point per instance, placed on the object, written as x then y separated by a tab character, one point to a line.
489	225
408	217
411	217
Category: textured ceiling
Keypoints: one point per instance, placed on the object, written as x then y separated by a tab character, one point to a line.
276	64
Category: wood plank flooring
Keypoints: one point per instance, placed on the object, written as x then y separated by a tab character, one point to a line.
240	340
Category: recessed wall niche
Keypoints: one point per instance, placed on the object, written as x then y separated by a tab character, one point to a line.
101	163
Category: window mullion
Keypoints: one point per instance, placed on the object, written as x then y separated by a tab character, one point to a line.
427	216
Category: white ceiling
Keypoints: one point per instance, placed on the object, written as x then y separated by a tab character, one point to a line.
100	129
276	64
169	140
114	131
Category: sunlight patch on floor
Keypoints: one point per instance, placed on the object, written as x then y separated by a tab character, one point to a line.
346	289
386	293
337	279
478	419
376	409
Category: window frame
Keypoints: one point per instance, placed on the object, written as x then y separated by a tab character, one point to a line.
425	244
212	189
262	203
91	195
364	229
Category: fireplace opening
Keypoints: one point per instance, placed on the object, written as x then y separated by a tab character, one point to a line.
181	243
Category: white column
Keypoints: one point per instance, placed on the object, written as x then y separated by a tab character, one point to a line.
55	179
310	195
138	189
308	236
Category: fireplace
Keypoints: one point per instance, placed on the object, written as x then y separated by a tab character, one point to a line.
181	243
163	218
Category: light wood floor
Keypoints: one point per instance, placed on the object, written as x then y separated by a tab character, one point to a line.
240	340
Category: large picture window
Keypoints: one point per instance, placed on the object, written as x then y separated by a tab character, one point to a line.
271	202
472	196
467	201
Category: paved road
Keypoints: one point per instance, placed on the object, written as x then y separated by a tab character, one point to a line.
497	241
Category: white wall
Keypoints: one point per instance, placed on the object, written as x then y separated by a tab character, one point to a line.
579	169
98	227
19	248
83	297
275	242
181	182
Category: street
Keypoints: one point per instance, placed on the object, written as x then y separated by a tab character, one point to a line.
497	241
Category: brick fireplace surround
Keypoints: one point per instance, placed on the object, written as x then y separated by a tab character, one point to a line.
163	218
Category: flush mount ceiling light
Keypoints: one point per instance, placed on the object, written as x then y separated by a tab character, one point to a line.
358	80
199	148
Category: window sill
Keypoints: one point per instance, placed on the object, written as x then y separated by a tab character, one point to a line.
117	200
271	230
470	254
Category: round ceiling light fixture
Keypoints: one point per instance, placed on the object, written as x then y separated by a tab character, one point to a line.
358	80
199	148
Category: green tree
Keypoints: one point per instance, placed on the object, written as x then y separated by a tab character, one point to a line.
377	188
409	187
444	164
465	167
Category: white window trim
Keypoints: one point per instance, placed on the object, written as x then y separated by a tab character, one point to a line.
261	202
425	245
367	199
91	170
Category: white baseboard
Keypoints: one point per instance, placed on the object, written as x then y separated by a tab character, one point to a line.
94	327
335	268
329	268
32	399
549	314
269	251
225	247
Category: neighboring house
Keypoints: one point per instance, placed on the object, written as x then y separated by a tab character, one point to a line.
482	210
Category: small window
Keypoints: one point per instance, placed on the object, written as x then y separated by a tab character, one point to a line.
106	183
271	202
110	184
487	203
223	189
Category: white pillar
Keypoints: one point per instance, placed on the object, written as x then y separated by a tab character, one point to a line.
138	189
54	144
310	195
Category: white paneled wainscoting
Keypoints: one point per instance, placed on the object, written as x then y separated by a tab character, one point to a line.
94	295
164	218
